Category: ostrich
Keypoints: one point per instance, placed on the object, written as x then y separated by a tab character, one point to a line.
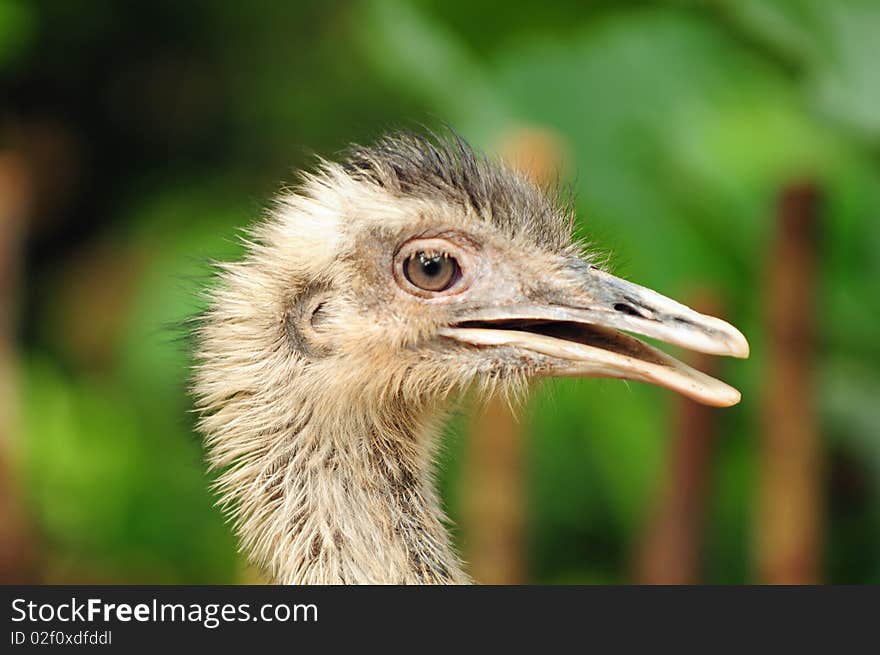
382	285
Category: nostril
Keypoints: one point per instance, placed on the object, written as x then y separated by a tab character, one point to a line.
623	308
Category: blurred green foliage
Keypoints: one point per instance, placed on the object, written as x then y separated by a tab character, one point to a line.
681	121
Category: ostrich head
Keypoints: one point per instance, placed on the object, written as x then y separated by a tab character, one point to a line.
370	294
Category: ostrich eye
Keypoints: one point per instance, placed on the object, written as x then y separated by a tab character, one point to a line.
432	271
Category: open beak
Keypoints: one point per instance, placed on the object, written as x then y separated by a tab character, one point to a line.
586	337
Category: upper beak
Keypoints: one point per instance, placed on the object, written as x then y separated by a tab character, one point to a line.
584	338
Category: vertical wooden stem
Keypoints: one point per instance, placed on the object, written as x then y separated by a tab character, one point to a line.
671	550
493	516
493	513
16	551
790	512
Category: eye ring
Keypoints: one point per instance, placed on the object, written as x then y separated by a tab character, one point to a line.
432	271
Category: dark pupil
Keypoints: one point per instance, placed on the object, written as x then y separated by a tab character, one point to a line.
431	266
431	271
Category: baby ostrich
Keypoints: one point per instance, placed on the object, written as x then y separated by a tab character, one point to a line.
369	296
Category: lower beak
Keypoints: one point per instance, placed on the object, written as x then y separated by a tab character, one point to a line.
587	338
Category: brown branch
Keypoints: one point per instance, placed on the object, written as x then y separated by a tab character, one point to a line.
671	550
790	511
493	516
493	504
16	547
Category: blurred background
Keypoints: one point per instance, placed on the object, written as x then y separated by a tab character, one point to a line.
725	153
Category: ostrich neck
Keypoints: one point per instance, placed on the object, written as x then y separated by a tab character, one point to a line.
349	500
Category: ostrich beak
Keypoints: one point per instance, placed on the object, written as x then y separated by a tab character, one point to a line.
585	336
